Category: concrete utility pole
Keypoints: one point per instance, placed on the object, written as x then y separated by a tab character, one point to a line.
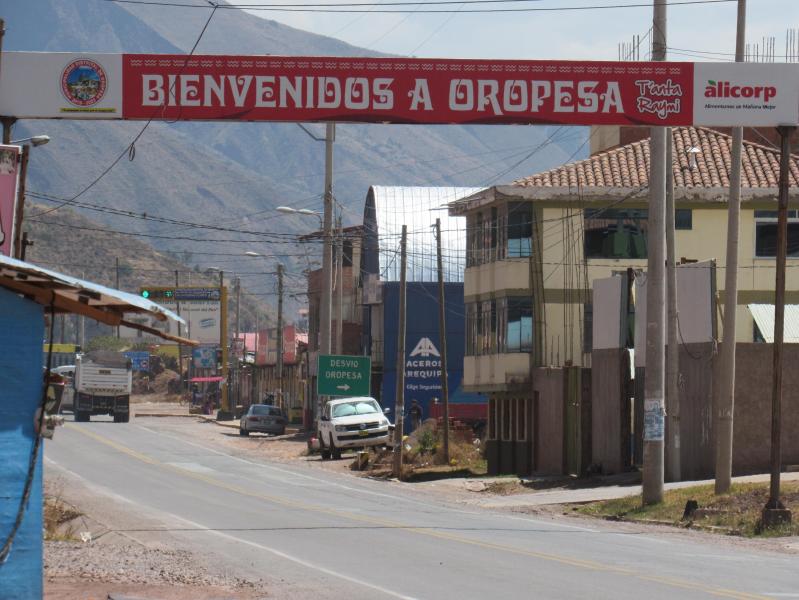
116	281
327	255
399	403
775	512
180	328
655	292
442	344
224	412
673	357
7	122
237	371
82	324
280	335
340	288
725	400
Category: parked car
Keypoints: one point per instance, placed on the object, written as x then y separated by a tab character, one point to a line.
263	418
351	423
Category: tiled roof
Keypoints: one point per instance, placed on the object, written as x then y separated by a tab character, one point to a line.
628	166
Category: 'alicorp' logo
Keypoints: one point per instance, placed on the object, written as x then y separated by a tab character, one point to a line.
725	89
83	82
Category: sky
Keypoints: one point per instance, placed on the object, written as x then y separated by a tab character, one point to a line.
589	34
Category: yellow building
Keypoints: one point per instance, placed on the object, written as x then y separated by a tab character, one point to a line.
536	245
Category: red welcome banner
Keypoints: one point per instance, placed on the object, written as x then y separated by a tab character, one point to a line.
400	90
69	85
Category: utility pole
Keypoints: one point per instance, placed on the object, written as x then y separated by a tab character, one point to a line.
237	371
327	254
224	412
399	403
180	329
19	213
725	400
116	281
82	324
340	289
442	344
280	335
672	459
655	292
775	513
7	122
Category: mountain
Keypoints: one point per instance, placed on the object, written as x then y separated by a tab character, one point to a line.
235	174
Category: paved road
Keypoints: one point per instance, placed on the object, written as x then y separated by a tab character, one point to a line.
346	537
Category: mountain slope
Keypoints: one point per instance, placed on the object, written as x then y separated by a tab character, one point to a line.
220	172
74	245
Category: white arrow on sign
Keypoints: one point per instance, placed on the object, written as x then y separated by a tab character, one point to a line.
344	387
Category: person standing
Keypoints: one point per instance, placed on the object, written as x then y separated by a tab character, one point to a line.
415	413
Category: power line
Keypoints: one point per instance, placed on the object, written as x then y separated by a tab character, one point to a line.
130	149
371	7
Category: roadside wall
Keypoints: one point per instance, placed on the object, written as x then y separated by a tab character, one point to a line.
697	443
610	418
752	425
549	455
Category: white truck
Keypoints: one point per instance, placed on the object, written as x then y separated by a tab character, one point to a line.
102	386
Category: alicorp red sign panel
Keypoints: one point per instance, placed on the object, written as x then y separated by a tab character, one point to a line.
403	90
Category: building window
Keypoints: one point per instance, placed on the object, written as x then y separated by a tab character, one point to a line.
766	233
486	327
588	328
683	219
519	329
347	253
520	229
499	326
471	330
615	233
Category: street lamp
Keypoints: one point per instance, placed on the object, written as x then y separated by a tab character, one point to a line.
288	210
36	140
20	241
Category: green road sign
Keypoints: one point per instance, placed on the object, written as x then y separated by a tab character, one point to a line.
343	375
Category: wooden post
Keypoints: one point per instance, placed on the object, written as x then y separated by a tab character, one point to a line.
775	512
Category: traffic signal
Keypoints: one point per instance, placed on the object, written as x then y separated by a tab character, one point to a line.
145	293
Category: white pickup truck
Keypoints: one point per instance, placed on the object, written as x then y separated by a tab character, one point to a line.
102	386
351	423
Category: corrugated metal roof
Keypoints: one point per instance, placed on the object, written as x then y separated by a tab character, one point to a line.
418	208
764	319
71	294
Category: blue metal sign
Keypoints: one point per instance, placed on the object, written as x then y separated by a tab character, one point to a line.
139	360
422	361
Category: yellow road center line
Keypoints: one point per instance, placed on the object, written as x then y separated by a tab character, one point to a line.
574	562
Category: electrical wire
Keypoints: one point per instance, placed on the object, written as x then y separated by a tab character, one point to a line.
130	149
371	6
